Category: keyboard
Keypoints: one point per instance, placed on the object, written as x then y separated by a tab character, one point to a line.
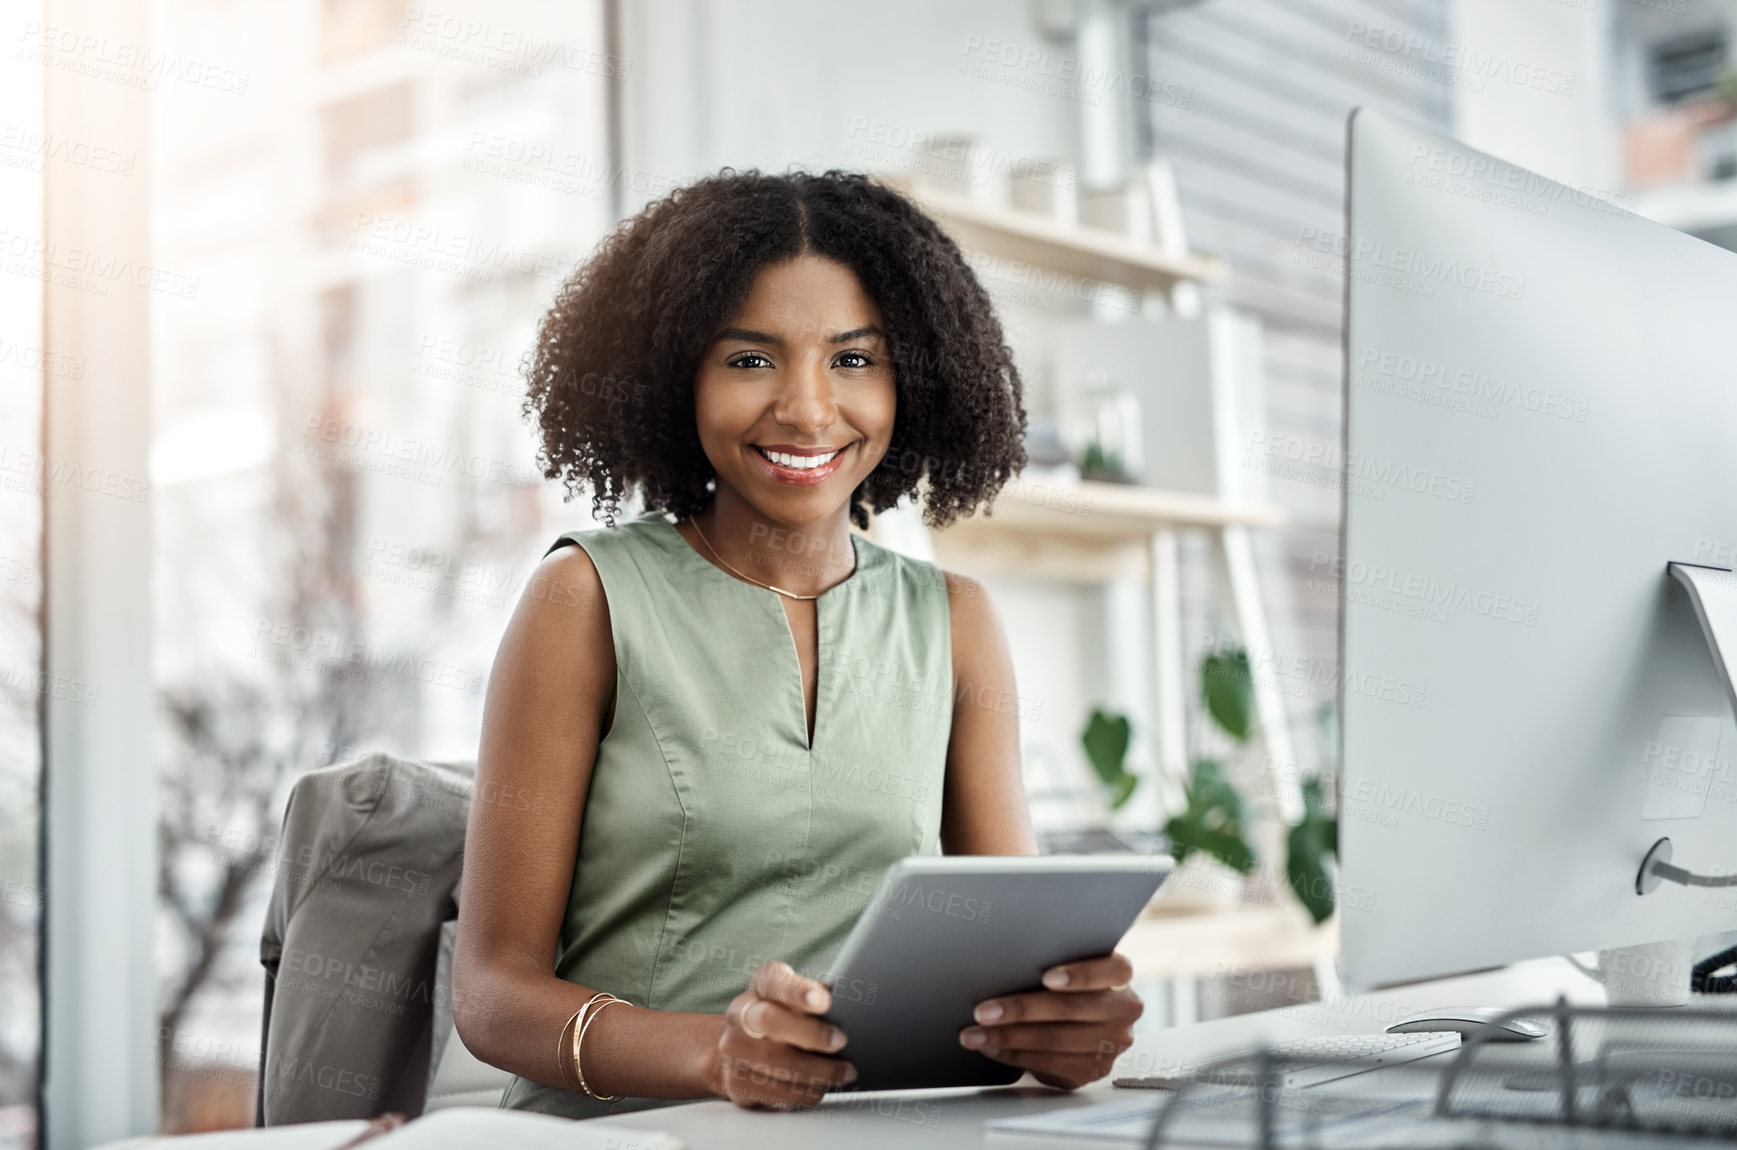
1305	1062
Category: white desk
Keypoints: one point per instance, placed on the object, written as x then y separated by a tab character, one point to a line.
920	1120
925	1119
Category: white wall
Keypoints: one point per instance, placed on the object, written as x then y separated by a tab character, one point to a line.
770	83
1533	85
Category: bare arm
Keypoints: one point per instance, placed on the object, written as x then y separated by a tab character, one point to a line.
548	700
983	808
548	703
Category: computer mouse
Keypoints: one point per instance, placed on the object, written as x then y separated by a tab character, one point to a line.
1471	1020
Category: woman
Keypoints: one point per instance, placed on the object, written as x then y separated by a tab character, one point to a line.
704	741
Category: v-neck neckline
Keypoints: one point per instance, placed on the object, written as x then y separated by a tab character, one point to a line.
810	737
699	557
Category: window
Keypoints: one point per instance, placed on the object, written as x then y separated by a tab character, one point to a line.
24	149
1685	67
347	500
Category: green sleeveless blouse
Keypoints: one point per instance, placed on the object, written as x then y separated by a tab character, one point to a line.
714	836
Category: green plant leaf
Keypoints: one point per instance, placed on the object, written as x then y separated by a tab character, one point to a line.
1106	742
1228	687
1228	847
1096	462
1308	846
1212	822
1212	795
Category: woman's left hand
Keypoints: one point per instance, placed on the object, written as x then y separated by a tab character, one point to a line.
1067	1035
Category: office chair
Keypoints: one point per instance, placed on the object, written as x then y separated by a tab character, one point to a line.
357	947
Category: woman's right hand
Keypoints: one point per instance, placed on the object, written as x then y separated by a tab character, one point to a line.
774	1051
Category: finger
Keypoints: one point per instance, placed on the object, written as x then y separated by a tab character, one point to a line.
1065	1071
1061	1037
770	1094
775	1077
780	983
1050	1006
1107	972
764	1019
782	1075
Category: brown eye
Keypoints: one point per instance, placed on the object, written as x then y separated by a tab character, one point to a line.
749	359
859	359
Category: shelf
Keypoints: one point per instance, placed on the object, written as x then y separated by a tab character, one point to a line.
1083	532
1087	252
1234	940
1692	207
1118	510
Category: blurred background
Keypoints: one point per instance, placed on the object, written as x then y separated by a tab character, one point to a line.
267	496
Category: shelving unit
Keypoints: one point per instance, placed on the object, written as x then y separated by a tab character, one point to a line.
1097	532
1087	252
1085	532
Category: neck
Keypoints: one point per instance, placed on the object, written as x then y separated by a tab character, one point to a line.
807	559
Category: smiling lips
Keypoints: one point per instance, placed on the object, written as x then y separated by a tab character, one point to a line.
802	466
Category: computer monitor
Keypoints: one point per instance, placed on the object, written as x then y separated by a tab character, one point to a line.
1540	416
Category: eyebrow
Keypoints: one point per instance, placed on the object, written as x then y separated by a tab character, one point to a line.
746	335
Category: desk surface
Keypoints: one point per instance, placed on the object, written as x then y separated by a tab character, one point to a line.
919	1120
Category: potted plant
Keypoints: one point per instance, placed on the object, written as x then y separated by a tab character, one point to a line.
1210	838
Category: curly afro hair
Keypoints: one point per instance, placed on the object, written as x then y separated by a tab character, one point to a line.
611	376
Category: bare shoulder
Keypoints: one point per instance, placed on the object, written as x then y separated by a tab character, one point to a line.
975	626
563	606
566	577
555	670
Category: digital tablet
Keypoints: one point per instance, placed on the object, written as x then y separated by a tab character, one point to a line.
943	933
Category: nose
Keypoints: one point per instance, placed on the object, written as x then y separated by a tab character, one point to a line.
805	401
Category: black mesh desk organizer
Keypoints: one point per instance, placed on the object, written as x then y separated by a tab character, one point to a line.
1665	1075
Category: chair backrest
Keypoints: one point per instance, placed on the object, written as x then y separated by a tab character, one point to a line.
367	876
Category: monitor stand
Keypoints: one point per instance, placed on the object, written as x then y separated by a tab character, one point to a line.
1713	592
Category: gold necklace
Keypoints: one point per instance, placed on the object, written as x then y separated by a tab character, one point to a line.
739	574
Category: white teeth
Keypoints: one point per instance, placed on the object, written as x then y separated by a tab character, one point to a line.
799	462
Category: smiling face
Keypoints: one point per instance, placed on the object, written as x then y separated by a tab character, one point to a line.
795	399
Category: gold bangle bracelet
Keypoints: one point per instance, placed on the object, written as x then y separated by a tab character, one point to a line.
602	1001
578	1021
561	1043
579	1029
